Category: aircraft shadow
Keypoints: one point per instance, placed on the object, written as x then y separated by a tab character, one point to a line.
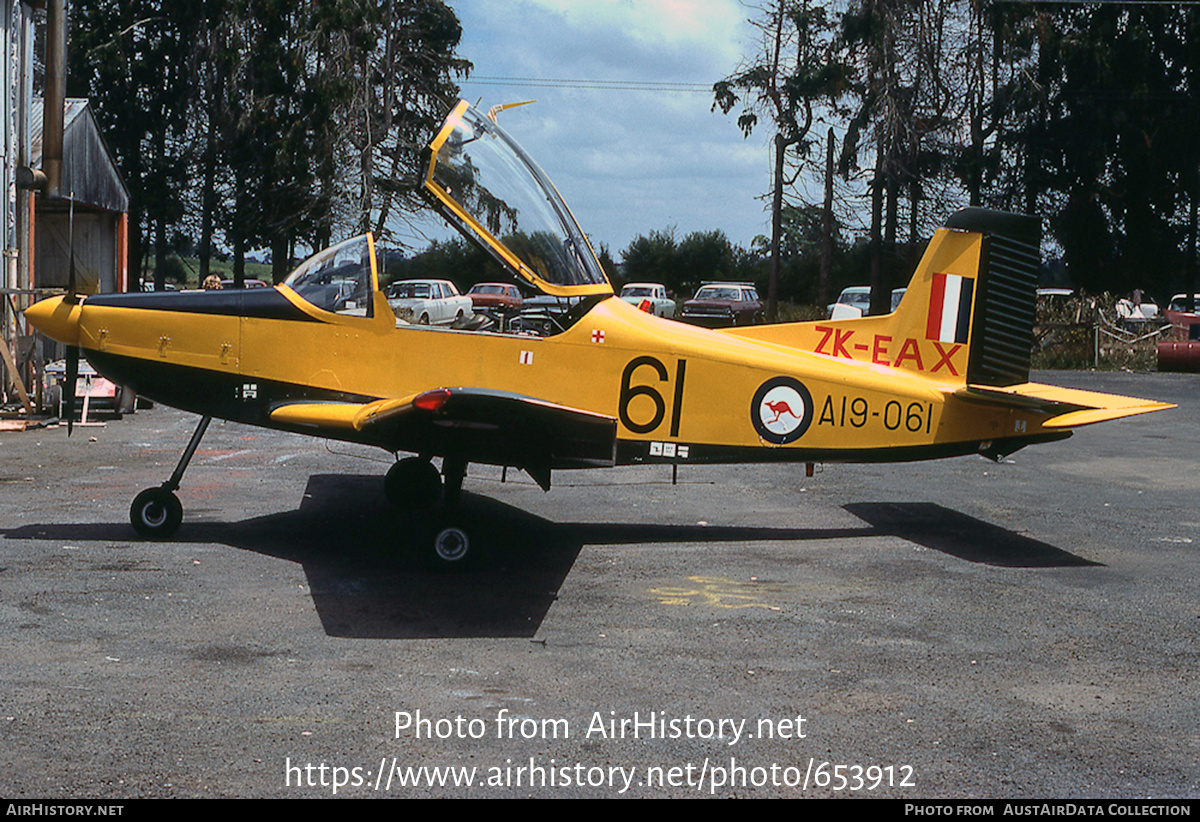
369	582
954	533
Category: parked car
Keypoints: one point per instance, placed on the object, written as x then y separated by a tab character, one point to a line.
246	283
1188	322
717	305
660	305
1055	293
855	302
1179	303
428	302
1139	313
495	295
148	286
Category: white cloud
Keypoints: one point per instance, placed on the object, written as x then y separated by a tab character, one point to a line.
627	161
704	24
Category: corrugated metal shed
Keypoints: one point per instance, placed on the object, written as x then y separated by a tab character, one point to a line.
85	227
90	176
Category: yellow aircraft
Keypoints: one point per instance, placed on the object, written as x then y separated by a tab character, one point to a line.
945	374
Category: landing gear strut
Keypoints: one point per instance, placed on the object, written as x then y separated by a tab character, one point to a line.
414	485
157	512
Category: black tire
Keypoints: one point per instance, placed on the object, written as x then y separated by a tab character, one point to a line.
424	319
413	484
156	512
450	547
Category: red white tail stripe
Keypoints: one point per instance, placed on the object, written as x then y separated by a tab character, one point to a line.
949	308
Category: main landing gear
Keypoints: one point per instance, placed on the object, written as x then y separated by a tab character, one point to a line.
414	486
157	512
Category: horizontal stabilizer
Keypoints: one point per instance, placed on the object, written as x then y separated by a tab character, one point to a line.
1075	419
1067	407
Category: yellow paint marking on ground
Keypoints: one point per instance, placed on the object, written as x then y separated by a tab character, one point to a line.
717	592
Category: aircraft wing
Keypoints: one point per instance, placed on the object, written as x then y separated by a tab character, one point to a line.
472	424
1068	407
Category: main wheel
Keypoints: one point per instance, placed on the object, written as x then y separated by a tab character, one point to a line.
413	483
156	512
446	544
451	546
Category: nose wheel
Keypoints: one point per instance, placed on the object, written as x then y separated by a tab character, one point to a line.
157	512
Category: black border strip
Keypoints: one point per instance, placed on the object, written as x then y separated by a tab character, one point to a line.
258	303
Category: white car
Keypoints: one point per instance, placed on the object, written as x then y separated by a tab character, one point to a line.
428	302
852	303
855	302
660	304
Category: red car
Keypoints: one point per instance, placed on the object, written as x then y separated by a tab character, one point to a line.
723	304
495	295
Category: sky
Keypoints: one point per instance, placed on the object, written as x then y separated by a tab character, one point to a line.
628	161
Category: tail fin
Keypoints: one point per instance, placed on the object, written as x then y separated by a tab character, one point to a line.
966	317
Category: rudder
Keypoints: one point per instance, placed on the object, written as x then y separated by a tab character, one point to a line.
1006	294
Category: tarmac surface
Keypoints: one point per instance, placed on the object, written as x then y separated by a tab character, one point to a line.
925	630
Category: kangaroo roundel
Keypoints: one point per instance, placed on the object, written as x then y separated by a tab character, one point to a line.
781	410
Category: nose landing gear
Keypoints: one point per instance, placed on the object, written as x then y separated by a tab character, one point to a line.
157	512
